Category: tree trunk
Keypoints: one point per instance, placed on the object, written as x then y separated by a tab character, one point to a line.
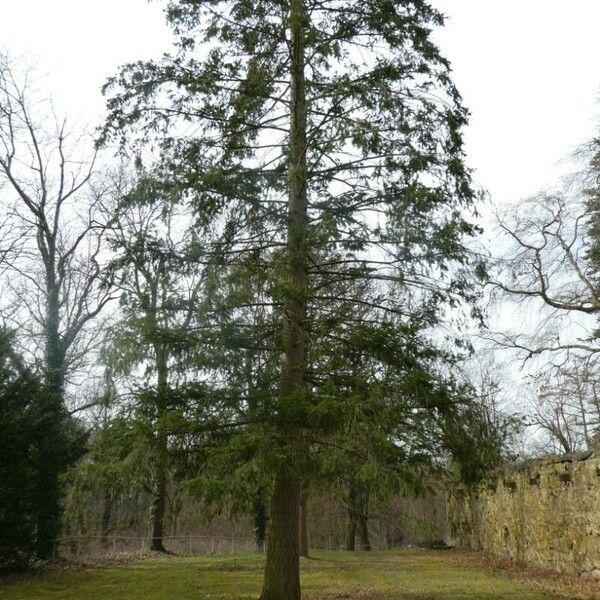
352	516
351	531
363	532
282	569
282	574
358	511
159	496
159	491
363	517
260	519
303	535
106	514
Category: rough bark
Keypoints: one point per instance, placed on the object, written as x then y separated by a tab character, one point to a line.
159	496
282	576
282	569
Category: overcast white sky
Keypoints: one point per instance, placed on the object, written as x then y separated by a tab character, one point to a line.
528	70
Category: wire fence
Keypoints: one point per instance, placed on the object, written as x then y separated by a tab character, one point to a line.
192	545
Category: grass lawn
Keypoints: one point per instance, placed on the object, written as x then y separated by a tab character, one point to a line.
393	575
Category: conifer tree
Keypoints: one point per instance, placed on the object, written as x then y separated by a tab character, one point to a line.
321	140
158	292
20	430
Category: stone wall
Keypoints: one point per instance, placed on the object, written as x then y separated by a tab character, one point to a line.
544	513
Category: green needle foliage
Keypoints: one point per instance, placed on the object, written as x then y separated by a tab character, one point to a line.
158	290
33	437
117	463
318	144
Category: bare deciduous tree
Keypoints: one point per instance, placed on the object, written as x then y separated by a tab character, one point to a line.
566	405
548	269
546	261
51	195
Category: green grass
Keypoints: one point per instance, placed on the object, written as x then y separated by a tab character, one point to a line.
394	575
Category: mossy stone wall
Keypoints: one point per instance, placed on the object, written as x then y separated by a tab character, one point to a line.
544	513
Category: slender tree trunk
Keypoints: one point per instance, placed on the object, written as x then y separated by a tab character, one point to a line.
259	509
106	515
303	541
363	532
260	519
363	520
159	496
282	569
358	511
159	491
351	530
